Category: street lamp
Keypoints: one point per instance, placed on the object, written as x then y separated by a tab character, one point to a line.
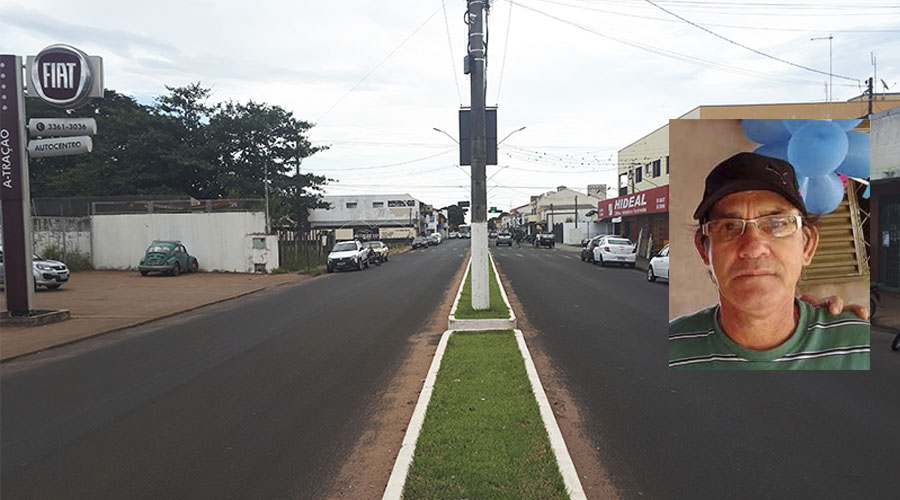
830	73
509	134
445	133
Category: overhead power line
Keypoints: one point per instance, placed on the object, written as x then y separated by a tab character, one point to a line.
751	49
452	59
505	51
375	167
391	53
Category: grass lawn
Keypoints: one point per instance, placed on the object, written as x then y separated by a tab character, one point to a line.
483	436
498	307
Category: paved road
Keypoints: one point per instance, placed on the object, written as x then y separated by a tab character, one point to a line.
260	397
670	434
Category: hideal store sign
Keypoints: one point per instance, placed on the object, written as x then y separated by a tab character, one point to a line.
651	201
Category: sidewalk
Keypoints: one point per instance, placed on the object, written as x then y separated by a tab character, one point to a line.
888	313
105	301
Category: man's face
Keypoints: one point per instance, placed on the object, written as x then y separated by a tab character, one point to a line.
756	272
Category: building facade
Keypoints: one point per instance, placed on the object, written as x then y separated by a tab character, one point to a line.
884	226
388	216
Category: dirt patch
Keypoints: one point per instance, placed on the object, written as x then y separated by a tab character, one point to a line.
366	471
594	478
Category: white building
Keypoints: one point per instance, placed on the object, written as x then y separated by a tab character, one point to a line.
388	215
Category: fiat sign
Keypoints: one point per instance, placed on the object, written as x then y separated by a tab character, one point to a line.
63	76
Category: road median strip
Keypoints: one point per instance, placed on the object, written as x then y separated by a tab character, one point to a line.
483	427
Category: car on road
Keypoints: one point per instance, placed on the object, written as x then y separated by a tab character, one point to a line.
453	235
492	234
659	265
380	251
420	242
615	249
45	272
348	255
544	240
504	238
587	248
433	240
169	257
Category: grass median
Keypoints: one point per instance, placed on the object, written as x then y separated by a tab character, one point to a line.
483	436
498	308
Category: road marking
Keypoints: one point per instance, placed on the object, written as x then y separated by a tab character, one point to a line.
520	255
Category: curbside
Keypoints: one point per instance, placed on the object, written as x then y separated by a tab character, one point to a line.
394	488
482	324
557	443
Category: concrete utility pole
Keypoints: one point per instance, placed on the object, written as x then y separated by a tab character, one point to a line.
476	58
830	92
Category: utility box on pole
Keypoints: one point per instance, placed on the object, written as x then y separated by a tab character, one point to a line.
465	135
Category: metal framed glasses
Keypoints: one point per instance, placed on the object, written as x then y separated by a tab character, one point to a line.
775	226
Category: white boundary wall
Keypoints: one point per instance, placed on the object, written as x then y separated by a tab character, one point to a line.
218	240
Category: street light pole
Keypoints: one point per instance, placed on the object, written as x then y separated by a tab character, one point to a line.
477	53
830	59
445	133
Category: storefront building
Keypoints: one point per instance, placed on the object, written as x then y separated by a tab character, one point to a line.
885	199
644	218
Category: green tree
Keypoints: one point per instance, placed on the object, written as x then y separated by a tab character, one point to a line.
456	216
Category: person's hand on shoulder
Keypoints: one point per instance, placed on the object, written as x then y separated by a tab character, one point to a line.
835	306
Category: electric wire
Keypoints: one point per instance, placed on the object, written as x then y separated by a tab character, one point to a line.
391	53
450	45
505	51
751	49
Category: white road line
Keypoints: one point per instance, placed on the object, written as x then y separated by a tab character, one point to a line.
519	255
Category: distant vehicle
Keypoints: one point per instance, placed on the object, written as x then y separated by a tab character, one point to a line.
659	265
453	235
465	231
380	251
440	239
492	234
49	273
432	240
544	240
348	255
587	248
504	238
615	249
167	257
420	242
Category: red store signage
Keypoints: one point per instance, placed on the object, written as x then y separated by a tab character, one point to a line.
651	201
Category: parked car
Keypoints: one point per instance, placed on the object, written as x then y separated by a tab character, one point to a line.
587	248
453	235
380	251
545	240
432	240
504	238
49	273
615	249
420	242
659	265
348	255
492	234
167	257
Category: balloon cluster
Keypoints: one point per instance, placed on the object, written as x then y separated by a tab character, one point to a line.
822	152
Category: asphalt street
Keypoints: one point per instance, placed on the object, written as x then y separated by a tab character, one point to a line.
258	397
669	434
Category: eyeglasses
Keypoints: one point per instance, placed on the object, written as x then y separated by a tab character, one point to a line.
776	226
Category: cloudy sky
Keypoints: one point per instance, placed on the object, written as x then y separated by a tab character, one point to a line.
585	77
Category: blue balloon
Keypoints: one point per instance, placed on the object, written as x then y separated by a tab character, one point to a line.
774	150
848	124
765	131
856	163
866	193
823	194
793	126
817	148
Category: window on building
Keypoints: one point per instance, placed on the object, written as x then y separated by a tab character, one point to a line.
667	164
638	175
259	243
377	204
623	184
351	204
647	166
656	168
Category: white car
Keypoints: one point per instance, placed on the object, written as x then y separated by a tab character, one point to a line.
615	249
659	265
348	255
453	235
49	273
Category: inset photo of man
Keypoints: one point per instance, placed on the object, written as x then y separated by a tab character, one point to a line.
768	253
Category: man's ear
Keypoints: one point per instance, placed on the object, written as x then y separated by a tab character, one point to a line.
701	243
810	243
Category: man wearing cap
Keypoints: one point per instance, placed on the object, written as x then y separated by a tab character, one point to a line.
754	237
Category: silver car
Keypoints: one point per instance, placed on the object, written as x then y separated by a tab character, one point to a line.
49	273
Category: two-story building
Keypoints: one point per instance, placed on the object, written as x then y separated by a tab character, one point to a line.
385	216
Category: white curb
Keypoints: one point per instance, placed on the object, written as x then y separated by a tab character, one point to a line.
394	489
482	324
557	443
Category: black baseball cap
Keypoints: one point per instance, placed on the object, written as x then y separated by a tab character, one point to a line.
750	172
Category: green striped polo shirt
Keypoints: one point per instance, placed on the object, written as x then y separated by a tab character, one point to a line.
820	342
